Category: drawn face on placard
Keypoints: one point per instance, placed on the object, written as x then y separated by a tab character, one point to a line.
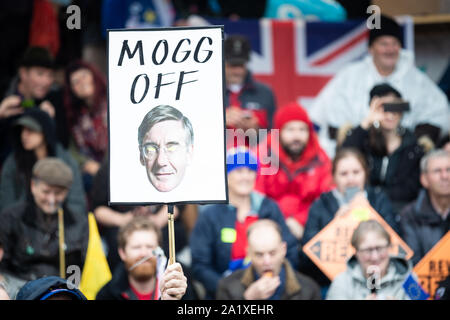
166	147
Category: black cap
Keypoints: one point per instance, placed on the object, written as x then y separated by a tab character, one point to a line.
388	27
237	50
44	288
382	90
37	57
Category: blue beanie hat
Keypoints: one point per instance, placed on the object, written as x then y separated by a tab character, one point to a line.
241	157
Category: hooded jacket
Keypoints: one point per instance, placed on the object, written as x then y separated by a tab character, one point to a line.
54	96
401	180
211	249
298	183
14	184
352	285
296	285
323	211
345	97
421	226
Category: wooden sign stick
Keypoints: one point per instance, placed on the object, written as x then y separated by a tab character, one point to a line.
62	258
171	230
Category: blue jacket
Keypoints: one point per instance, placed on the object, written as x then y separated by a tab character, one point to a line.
211	256
323	211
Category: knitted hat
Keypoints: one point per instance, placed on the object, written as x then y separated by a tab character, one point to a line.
37	57
290	112
237	50
388	27
53	172
241	157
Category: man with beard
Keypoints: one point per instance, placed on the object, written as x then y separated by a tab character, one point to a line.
142	275
304	168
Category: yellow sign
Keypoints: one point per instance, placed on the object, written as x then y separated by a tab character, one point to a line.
331	248
435	266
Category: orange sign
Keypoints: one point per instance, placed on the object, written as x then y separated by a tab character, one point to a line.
435	266
331	248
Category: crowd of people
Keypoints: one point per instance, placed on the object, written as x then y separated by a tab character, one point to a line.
378	133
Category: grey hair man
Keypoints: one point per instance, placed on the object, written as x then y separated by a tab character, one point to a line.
426	220
166	145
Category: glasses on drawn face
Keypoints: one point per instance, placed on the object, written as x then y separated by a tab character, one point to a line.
151	150
379	250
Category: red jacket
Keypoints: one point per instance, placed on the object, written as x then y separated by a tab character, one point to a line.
296	184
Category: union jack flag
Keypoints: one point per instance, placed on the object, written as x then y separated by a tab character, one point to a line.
297	58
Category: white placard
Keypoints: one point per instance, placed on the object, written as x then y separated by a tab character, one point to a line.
173	77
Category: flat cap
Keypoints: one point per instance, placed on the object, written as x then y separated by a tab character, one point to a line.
53	172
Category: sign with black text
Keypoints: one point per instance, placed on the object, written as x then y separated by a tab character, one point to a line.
166	116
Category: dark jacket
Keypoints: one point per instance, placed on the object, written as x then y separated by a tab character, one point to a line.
55	97
211	256
15	181
297	286
421	227
30	240
323	211
401	181
118	288
257	97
